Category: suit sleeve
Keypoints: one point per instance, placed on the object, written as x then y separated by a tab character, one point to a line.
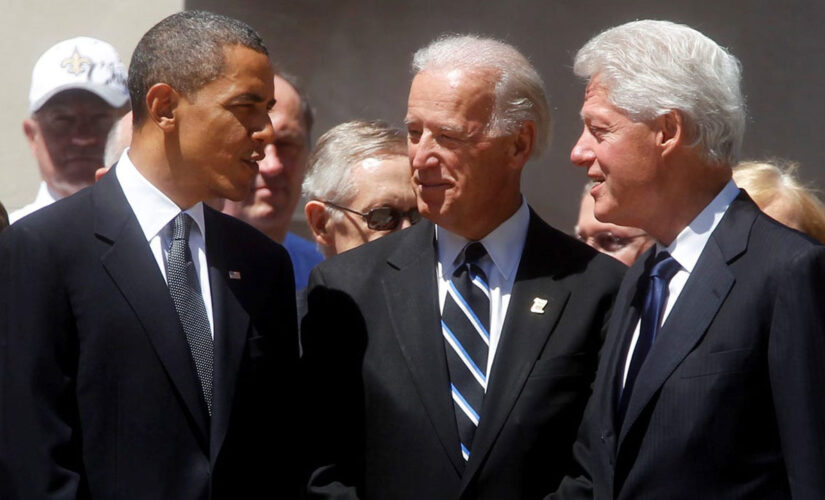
333	399
40	453
796	358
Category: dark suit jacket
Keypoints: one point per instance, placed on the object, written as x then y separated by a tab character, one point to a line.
728	403
382	415
98	394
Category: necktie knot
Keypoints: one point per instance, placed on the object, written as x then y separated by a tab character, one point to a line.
664	267
181	225
474	252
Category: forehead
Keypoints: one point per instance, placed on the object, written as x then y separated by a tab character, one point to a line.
383	179
287	109
75	99
455	93
597	101
246	72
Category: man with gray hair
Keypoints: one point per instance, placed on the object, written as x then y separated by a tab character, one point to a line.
707	383
358	186
149	342
457	354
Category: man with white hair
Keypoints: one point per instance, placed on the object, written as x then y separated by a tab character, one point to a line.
457	354
78	90
358	186
707	383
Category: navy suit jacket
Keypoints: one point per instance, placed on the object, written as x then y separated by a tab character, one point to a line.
98	394
381	414
728	402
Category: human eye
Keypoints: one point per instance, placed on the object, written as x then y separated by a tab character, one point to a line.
413	134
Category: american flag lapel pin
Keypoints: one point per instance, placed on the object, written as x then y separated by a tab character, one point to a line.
234	275
538	305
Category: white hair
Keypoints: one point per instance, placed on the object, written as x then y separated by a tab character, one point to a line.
649	68
519	90
342	148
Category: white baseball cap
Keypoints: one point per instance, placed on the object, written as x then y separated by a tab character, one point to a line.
79	63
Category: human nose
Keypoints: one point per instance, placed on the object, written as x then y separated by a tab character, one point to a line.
86	133
582	154
266	133
422	152
271	164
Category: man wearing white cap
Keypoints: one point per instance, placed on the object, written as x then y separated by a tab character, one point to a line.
78	90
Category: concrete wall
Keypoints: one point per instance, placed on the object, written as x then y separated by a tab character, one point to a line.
29	28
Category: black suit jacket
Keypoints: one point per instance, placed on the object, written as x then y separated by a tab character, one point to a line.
98	394
728	402
382	416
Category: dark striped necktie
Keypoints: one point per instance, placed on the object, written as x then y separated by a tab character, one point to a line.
465	325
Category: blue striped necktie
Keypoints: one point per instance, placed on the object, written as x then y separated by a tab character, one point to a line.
465	325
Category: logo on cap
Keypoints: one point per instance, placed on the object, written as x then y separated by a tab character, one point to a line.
75	63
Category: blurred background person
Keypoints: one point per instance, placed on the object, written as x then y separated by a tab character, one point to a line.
275	192
4	218
78	91
775	188
623	243
358	186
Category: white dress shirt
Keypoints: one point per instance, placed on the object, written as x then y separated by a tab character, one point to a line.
504	247
45	197
686	249
154	211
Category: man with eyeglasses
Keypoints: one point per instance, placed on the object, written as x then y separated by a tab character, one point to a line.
78	91
623	243
454	359
358	186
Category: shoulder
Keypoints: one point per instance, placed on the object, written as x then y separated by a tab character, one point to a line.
234	235
573	259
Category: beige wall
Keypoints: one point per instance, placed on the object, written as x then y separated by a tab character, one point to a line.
29	28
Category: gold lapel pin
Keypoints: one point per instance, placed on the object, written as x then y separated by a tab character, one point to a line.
234	275
538	305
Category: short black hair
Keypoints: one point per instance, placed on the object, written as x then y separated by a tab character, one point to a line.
185	50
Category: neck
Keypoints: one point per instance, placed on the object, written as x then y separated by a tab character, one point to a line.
691	192
151	158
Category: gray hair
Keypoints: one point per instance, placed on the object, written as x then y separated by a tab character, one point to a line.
519	90
341	149
185	50
649	68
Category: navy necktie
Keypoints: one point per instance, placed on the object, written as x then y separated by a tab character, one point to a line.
185	290
465	325
663	269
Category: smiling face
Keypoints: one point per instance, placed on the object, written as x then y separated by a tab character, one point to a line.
277	187
622	157
67	136
224	126
461	175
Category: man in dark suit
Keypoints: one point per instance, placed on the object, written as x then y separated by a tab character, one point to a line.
453	359
708	383
113	383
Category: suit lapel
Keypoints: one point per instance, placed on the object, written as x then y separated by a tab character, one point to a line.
231	327
131	265
704	293
523	337
412	298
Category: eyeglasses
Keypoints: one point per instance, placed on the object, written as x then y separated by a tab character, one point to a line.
608	242
382	218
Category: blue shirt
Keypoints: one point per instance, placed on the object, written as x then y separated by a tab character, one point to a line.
304	257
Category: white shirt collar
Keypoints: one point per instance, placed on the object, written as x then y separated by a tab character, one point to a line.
688	245
152	208
504	244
